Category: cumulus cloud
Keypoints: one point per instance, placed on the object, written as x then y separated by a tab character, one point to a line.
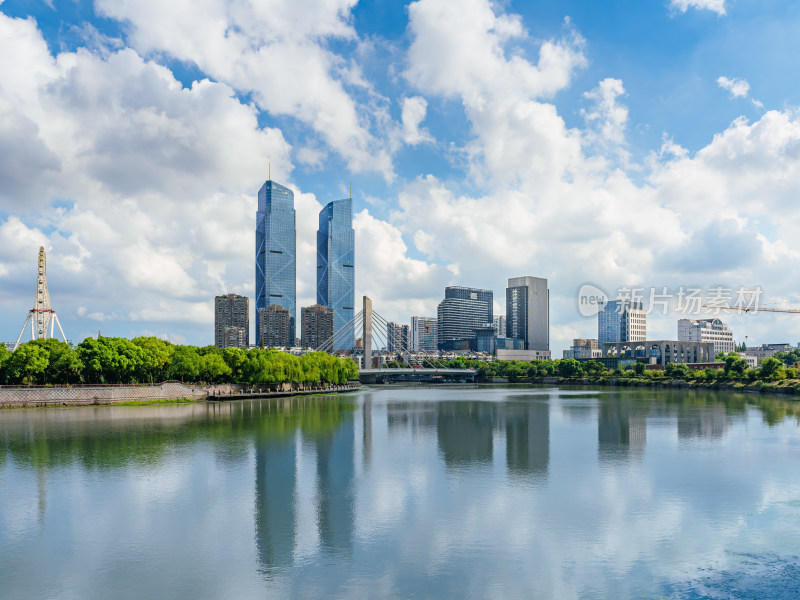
717	6
413	113
278	52
739	88
607	118
144	174
516	134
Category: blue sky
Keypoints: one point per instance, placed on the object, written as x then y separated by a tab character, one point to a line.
630	143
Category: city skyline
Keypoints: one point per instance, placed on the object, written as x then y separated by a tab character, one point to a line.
625	145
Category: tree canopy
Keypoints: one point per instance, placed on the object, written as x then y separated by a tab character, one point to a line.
113	360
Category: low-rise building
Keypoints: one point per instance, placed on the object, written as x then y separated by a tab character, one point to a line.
764	350
507	343
663	351
583	348
525	355
707	330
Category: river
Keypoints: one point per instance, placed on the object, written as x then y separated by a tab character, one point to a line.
406	492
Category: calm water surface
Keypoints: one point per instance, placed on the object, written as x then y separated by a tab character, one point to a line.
406	492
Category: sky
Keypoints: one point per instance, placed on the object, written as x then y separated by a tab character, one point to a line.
641	148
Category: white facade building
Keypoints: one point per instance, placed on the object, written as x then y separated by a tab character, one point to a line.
707	330
423	334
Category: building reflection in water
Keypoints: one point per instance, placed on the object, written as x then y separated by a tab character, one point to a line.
335	494
621	430
528	439
415	416
331	443
708	422
465	432
275	513
366	428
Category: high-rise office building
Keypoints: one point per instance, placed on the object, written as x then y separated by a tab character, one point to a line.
423	334
467	293
397	337
500	325
336	268
707	330
528	312
231	310
316	325
621	321
276	253
274	324
458	318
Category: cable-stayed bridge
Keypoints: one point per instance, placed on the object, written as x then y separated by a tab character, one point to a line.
418	365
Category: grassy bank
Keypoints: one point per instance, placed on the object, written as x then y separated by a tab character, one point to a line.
790	387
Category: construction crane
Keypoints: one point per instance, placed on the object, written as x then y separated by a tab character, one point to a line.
42	317
754	309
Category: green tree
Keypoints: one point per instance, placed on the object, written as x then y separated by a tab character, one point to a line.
771	368
4	356
594	368
213	368
156	355
569	367
735	365
677	370
185	364
28	364
639	368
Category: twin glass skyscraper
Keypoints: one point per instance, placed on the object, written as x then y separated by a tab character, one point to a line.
276	254
276	260
336	268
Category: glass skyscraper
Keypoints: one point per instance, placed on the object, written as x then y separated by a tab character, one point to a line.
276	264
621	321
336	267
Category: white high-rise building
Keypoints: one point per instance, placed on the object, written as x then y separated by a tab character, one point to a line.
707	330
500	325
423	334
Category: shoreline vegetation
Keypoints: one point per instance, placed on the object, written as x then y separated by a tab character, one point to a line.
774	375
145	360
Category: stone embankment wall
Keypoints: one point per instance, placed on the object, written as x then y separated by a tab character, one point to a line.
76	395
170	390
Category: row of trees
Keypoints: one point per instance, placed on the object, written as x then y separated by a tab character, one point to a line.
735	368
150	359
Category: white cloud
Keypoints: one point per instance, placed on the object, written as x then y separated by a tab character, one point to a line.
396	283
608	117
739	88
413	114
278	52
516	135
155	182
717	6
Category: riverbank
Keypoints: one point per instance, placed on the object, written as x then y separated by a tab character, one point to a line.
166	392
786	387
